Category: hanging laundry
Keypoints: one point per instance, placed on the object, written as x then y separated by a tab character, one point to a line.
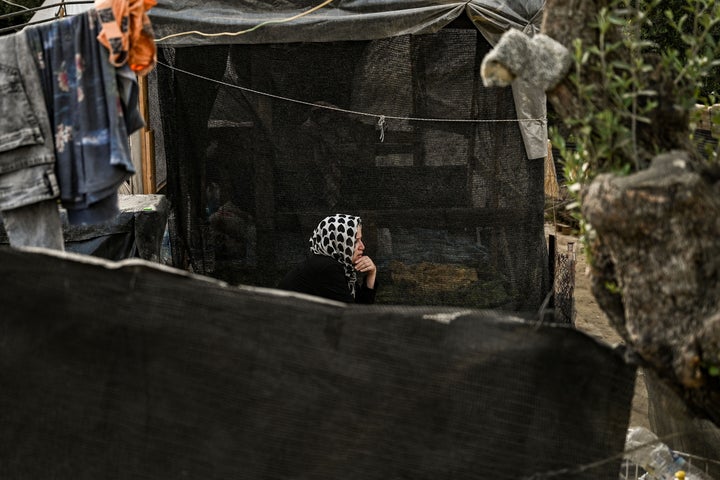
127	33
28	186
92	108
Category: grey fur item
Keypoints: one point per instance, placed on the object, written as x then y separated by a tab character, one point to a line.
539	60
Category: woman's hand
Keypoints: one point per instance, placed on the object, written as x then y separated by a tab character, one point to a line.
366	265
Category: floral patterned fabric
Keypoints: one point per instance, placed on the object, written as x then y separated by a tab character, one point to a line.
92	107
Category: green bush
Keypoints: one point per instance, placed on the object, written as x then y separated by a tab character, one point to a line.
618	93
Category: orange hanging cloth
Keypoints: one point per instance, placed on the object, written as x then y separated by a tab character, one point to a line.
127	33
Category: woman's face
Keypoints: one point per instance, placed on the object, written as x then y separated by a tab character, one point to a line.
359	246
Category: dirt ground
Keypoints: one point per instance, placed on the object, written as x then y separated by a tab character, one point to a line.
591	319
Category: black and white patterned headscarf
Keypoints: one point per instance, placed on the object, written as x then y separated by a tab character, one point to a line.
335	237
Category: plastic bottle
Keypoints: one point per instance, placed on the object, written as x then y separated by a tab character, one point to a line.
644	448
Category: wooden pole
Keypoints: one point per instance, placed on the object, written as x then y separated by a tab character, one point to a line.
147	141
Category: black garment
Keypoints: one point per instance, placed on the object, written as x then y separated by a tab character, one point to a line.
325	277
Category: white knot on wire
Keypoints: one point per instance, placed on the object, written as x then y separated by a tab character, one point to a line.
381	127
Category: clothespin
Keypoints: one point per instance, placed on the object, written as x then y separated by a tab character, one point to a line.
62	10
381	127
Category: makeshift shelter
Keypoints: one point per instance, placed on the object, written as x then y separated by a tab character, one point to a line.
127	369
271	116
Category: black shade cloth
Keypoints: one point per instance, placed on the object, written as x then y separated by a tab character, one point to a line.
453	211
136	370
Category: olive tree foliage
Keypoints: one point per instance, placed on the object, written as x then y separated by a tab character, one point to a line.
639	85
647	199
667	28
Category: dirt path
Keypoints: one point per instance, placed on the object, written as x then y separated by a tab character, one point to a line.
591	319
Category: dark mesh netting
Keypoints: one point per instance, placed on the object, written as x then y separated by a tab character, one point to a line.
564	288
131	370
263	141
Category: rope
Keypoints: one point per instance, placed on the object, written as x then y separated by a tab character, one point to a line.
15	4
162	39
36	9
380	117
262	24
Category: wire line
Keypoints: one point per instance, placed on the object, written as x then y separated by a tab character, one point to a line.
15	4
42	7
380	117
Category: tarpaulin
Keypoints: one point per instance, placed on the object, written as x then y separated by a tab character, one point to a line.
337	21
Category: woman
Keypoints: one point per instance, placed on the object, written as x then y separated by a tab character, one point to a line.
336	257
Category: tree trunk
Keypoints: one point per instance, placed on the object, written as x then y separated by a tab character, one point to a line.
655	252
657	234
